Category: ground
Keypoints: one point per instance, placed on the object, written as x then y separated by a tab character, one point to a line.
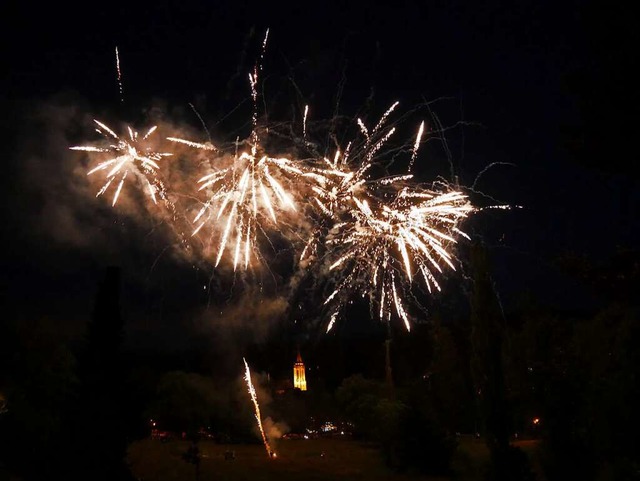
312	460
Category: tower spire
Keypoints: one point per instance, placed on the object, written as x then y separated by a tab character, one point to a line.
299	378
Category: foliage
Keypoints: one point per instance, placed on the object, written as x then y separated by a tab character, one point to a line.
588	396
423	444
184	402
359	398
402	424
580	373
41	383
293	407
448	380
100	409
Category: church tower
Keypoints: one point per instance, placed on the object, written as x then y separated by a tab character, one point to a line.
299	379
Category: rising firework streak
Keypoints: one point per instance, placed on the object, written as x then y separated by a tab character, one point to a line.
254	398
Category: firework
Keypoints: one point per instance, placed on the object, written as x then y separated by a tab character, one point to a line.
252	192
374	234
382	232
131	158
340	181
384	247
254	398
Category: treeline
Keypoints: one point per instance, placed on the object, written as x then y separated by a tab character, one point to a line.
72	406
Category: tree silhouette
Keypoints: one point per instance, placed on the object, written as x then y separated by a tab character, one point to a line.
488	330
99	432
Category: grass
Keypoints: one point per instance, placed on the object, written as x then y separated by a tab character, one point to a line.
313	460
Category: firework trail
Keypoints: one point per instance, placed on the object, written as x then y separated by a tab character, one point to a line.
130	158
304	122
254	398
119	74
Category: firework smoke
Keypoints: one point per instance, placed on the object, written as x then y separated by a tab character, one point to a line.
366	232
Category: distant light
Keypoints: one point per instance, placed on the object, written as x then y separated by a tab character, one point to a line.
536	421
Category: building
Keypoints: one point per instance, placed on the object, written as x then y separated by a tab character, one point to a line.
299	378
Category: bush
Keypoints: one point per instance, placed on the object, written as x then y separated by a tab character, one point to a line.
511	465
420	443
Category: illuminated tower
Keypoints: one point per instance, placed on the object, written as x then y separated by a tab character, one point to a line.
299	380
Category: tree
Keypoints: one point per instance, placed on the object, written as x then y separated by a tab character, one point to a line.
488	328
401	422
39	386
447	380
99	428
185	402
587	370
359	398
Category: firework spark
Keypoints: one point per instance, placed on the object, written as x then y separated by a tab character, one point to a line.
343	182
416	145
254	398
130	157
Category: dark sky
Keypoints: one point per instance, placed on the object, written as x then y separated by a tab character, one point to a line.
546	87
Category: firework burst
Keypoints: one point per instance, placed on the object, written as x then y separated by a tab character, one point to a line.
381	232
252	193
382	249
249	197
130	158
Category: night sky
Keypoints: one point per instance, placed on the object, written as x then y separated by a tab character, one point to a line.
548	91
